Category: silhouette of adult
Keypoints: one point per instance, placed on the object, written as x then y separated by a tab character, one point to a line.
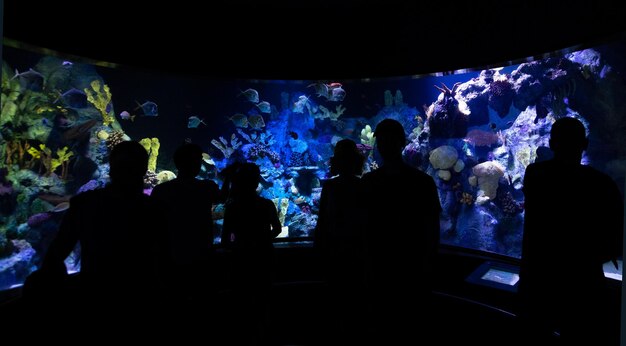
120	233
339	238
573	224
250	224
188	202
402	239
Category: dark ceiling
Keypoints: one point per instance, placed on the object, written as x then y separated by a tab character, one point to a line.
306	40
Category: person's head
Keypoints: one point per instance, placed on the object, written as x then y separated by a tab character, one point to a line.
246	178
347	159
390	139
568	138
188	159
128	164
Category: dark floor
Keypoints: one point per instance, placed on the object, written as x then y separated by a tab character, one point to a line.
464	313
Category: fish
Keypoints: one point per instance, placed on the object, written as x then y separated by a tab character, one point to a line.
46	122
149	108
127	116
264	107
240	120
63	206
79	131
298	106
251	95
73	97
54	199
256	121
337	94
31	79
321	89
194	122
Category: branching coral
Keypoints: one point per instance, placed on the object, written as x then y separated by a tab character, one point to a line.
50	163
63	157
326	113
222	145
100	97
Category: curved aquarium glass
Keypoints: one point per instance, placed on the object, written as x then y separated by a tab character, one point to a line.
473	131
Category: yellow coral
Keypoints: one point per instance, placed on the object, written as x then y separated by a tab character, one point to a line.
63	154
146	142
152	146
36	154
100	97
154	153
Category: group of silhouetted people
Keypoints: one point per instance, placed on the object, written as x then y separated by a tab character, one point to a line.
149	259
377	238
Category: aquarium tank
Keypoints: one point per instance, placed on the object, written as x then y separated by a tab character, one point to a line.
474	131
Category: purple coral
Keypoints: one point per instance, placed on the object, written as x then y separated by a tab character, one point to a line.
90	185
38	219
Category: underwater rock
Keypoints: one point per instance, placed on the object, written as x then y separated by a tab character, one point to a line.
443	157
15	269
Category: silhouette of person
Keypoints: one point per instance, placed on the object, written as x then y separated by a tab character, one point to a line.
339	238
250	224
121	237
188	202
402	239
573	224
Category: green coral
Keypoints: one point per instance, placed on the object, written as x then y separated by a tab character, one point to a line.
367	136
398	100
100	97
388	98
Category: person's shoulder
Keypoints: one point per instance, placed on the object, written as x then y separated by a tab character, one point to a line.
541	167
417	172
265	201
596	175
207	183
330	182
373	174
165	185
